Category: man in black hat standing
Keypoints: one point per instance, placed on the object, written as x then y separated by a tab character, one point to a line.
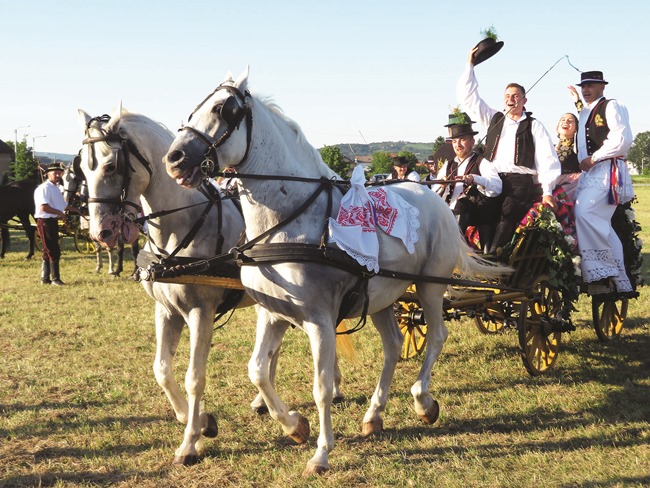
50	207
518	145
604	138
476	182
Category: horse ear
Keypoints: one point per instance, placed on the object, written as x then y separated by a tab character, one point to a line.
228	78
242	81
83	118
119	113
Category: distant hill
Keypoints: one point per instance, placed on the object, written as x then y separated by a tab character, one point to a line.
421	149
48	157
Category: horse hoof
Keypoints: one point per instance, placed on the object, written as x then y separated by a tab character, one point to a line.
314	469
372	428
301	433
338	400
212	430
189	460
260	410
431	415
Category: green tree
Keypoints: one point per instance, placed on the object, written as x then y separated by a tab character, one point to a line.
437	144
382	162
24	167
640	151
333	158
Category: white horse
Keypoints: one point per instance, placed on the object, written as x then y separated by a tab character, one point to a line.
75	192
232	127
112	168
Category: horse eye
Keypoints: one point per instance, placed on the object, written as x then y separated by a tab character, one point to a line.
217	109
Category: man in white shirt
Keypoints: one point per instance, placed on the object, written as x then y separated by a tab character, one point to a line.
50	207
518	145
471	197
604	138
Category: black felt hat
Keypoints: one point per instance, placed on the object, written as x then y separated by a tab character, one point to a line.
54	167
591	77
487	48
460	125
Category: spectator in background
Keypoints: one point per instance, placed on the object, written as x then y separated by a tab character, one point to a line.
432	164
50	207
401	170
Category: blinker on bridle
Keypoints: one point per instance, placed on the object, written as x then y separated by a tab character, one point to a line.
125	148
232	112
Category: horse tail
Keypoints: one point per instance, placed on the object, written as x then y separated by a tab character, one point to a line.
470	265
344	343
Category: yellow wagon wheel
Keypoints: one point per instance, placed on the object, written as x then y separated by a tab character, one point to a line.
538	342
608	316
493	322
83	243
37	241
410	319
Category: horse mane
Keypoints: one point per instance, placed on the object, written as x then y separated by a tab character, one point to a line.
303	143
127	119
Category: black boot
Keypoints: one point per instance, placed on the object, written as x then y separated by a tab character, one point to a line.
56	278
502	235
45	272
486	236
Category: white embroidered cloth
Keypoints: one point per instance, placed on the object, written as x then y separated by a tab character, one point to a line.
361	212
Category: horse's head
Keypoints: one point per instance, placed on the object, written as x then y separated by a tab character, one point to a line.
113	190
217	134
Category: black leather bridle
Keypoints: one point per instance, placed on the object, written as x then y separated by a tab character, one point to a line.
127	148
233	110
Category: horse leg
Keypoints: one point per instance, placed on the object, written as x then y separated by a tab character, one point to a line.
268	338
257	405
198	422
323	348
431	296
120	259
30	232
98	259
338	396
135	250
391	339
168	334
4	237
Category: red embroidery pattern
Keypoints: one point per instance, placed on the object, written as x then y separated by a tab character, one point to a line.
384	213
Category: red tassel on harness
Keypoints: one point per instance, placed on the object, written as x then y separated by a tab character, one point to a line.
612	196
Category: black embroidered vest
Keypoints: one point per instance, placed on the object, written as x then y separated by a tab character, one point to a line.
596	128
524	142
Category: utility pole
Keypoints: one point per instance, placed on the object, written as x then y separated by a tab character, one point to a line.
16	140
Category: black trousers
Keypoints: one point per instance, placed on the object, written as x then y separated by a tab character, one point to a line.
48	229
516	198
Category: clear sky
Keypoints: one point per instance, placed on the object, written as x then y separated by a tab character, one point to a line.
346	71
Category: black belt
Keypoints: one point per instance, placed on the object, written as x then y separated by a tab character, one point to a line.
501	175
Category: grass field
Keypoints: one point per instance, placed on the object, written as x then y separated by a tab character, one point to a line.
79	405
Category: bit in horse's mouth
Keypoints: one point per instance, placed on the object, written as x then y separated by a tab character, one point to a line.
188	177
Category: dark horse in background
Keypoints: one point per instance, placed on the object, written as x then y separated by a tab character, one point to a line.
17	200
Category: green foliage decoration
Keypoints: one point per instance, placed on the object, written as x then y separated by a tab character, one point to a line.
628	230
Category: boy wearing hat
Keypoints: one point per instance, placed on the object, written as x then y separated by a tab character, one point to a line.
50	207
604	138
518	145
476	182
